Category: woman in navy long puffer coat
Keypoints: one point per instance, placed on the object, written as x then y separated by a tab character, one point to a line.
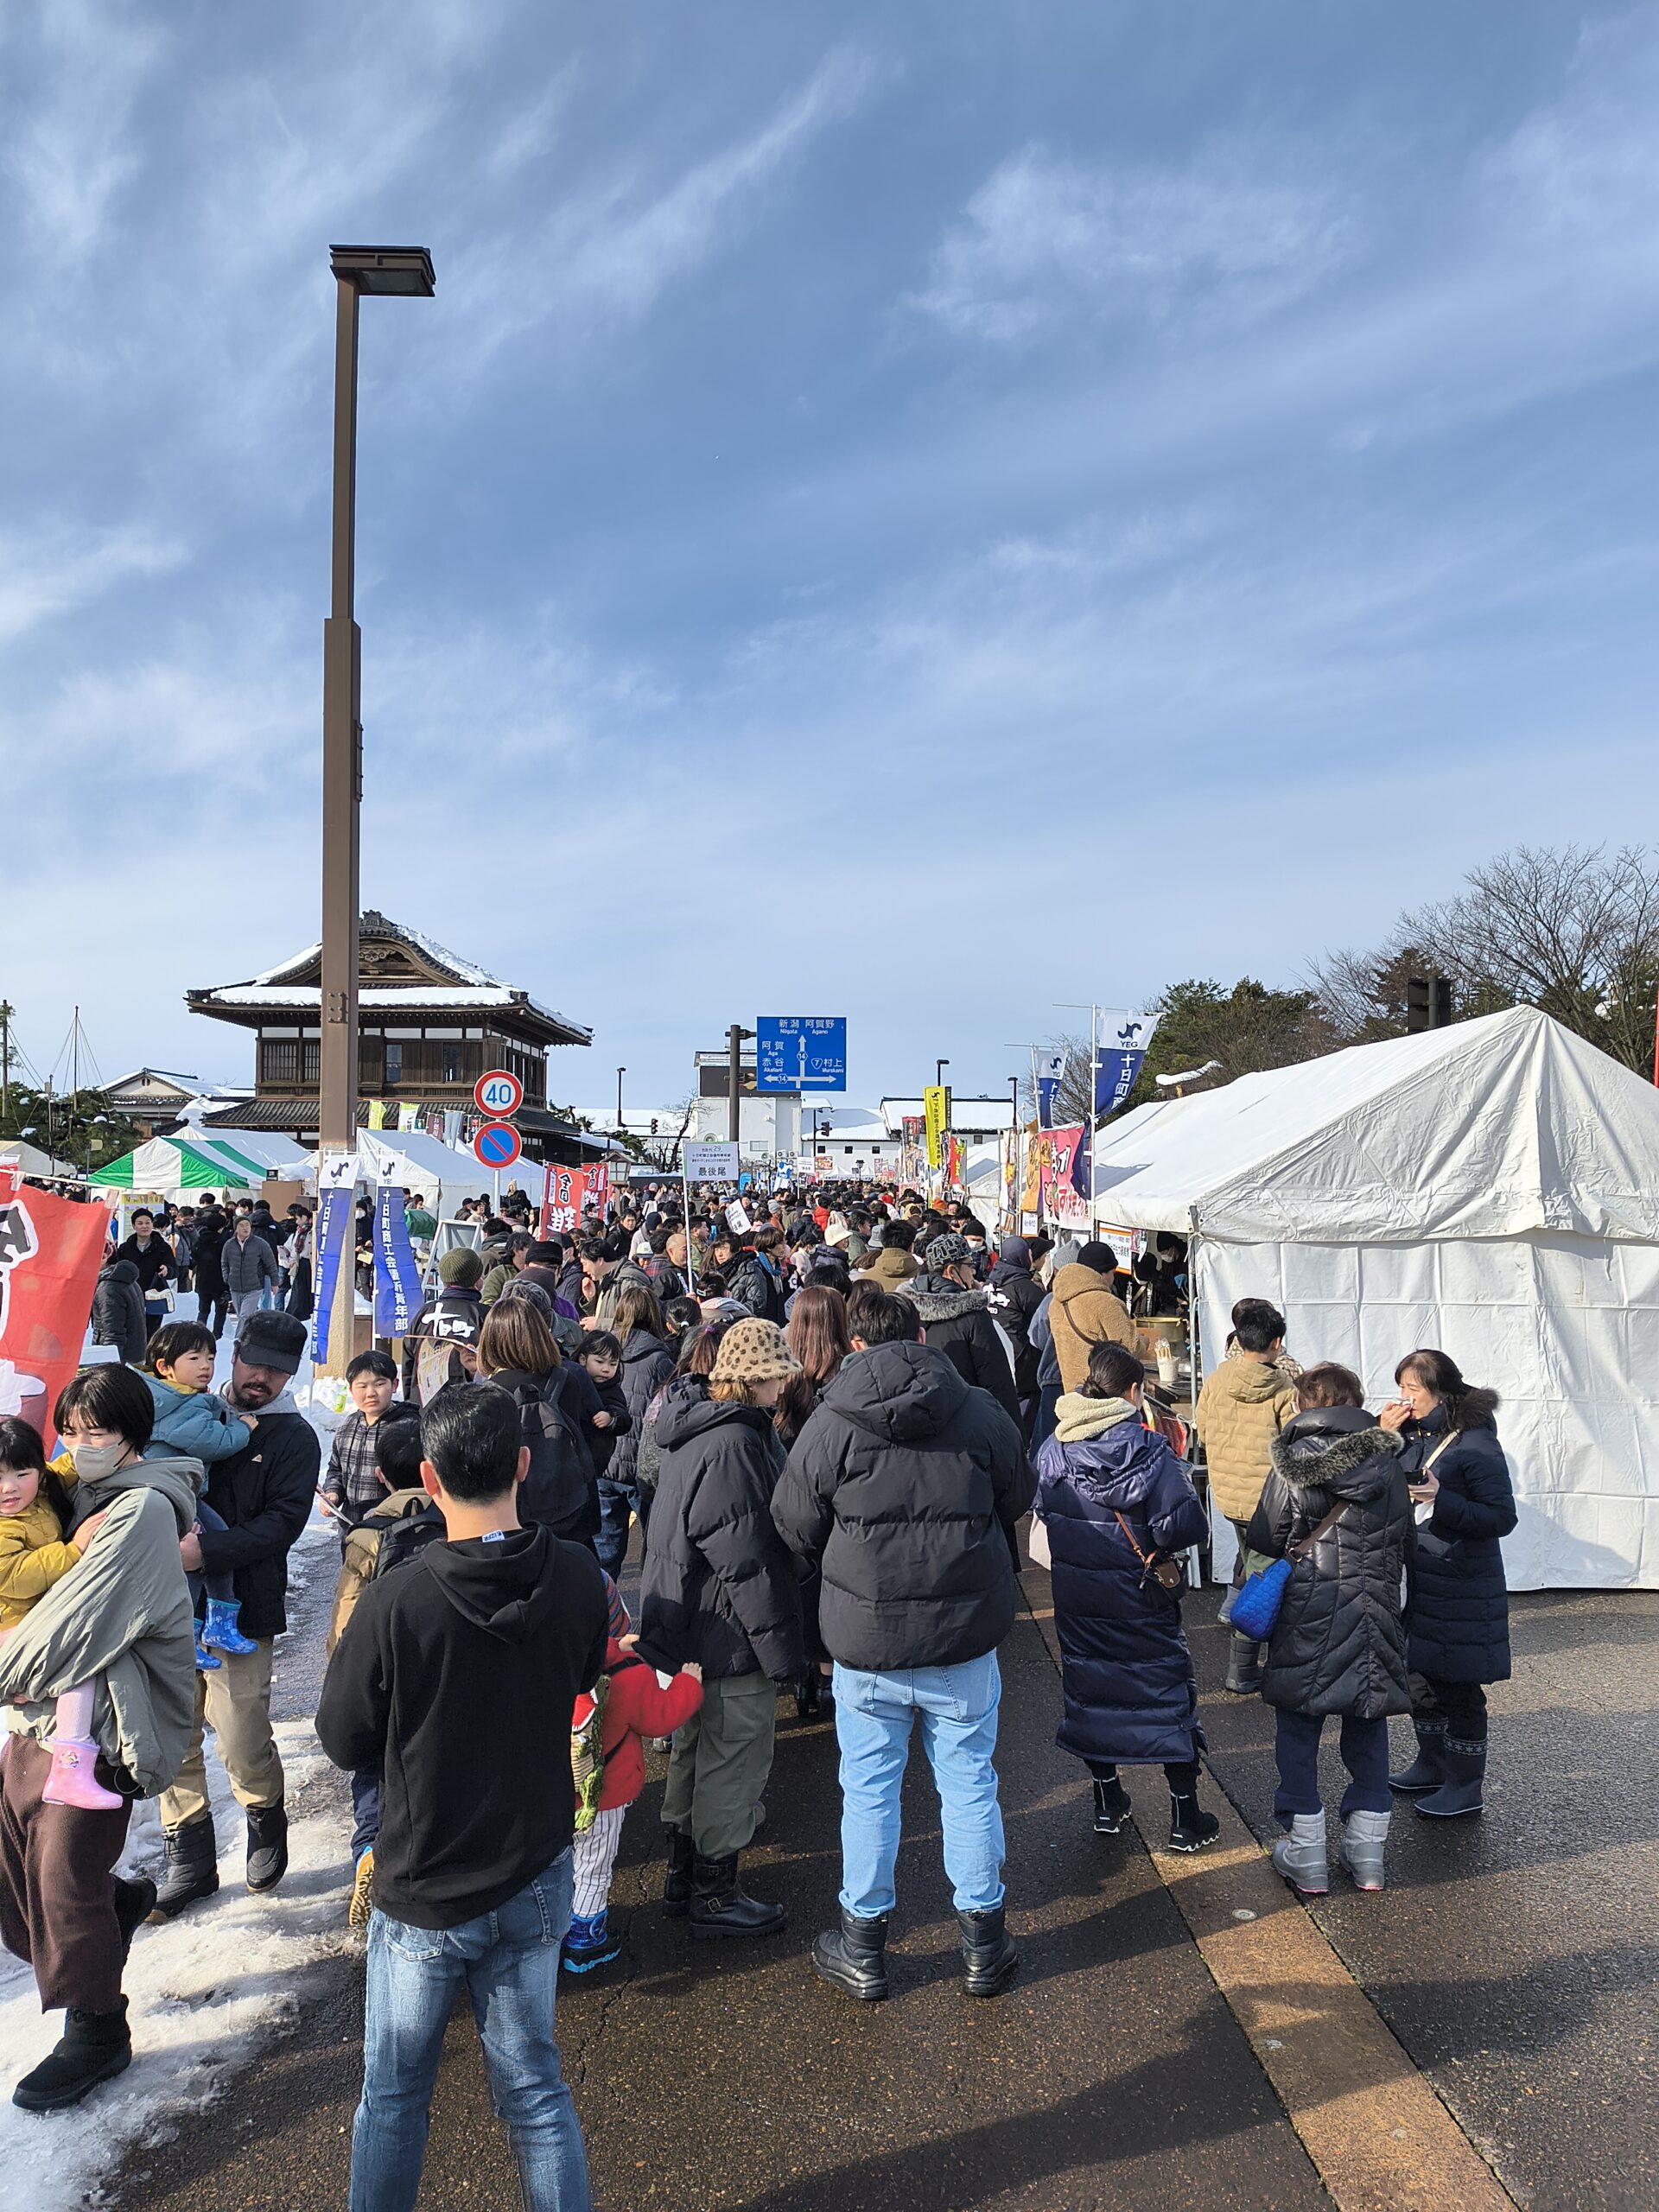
1113	1500
1458	1614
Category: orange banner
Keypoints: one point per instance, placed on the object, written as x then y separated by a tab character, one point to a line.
50	1253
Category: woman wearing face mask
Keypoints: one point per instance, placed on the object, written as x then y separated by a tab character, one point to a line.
118	1620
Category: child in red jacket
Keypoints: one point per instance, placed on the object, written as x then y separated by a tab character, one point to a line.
639	1702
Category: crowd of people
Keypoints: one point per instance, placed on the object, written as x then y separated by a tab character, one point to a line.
819	1431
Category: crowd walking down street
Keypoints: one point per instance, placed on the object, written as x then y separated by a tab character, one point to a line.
582	1524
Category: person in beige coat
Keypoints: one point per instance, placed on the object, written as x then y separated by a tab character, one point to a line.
892	1266
1242	1407
1084	1310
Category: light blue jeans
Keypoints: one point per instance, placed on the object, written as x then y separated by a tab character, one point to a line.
874	1714
509	1959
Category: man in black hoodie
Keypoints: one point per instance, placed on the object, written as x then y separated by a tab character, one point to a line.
455	1677
903	1489
1015	1295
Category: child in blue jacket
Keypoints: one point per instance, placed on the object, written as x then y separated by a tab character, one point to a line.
194	1422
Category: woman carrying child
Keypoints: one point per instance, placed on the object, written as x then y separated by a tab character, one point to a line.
112	1624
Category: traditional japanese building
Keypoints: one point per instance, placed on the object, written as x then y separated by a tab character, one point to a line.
430	1025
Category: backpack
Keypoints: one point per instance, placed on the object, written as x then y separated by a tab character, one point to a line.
560	1480
588	1754
404	1538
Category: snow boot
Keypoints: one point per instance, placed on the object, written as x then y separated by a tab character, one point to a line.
989	1958
721	1906
854	1956
1190	1827
220	1632
1360	1851
267	1845
135	1900
208	1663
676	1882
191	1870
1300	1856
72	1781
1244	1666
1463	1789
362	1903
589	1943
95	2047
1112	1807
1428	1770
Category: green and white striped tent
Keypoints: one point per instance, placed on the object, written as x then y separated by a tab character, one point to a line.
174	1164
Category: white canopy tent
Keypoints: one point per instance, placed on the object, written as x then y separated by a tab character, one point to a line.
1492	1189
442	1172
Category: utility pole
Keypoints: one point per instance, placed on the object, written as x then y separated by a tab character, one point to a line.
5	1058
735	1037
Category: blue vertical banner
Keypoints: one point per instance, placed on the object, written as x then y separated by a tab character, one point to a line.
1121	1047
1050	1068
397	1278
334	1209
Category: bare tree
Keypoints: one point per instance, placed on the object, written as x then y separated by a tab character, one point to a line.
1074	1101
1573	931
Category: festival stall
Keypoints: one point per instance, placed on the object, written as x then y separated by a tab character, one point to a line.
178	1167
443	1173
1492	1189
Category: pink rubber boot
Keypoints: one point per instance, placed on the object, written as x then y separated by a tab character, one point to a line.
75	1755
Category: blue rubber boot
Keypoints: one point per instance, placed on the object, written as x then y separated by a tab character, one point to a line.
589	1944
206	1663
221	1632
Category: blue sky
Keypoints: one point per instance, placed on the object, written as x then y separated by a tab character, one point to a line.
911	511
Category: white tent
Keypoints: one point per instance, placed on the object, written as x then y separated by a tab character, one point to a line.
267	1148
426	1164
1492	1189
15	1152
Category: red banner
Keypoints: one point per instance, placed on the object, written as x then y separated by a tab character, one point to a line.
562	1192
1061	1201
50	1253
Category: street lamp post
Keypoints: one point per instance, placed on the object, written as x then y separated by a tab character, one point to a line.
405	271
939	1067
620	1074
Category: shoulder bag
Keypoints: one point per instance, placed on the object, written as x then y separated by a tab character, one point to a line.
1256	1609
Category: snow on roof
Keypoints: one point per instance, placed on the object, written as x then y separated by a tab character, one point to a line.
496	995
374	923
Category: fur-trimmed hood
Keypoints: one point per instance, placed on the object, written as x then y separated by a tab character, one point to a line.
935	1299
1338	1449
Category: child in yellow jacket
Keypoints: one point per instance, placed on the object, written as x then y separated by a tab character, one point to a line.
36	1553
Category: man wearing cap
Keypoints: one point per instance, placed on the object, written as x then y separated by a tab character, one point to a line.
264	1496
956	1319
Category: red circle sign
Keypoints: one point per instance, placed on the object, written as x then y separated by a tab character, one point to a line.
498	1144
498	1092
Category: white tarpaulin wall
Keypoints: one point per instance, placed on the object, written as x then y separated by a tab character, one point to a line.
426	1164
1492	1189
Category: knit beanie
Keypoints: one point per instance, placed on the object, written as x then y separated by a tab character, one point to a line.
461	1268
947	1250
1099	1257
754	1351
837	1234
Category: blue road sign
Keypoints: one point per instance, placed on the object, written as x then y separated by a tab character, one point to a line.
800	1052
498	1144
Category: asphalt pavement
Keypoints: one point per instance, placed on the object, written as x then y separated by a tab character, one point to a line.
1513	1957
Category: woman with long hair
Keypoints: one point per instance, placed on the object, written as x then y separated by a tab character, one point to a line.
817	1334
1458	1613
517	1351
647	1364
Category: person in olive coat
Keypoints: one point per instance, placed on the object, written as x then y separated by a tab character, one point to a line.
1335	1503
1459	1603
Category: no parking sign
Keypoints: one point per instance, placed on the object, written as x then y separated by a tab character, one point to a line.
498	1144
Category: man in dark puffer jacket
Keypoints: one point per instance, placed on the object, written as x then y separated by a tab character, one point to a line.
904	1488
956	1318
1015	1295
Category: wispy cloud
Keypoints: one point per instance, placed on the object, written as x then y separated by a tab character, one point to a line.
1044	243
53	568
75	150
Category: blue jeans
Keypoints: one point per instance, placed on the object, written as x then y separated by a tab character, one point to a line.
874	1714
1365	1753
509	1959
617	1501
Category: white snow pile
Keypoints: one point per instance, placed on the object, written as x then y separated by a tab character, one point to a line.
203	1992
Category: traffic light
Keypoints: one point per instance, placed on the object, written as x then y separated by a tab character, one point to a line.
1428	1003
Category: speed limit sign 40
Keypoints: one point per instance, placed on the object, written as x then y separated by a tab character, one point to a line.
498	1092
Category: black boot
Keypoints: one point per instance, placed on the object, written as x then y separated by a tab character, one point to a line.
720	1904
1243	1666
134	1902
854	1956
1190	1827
95	2047
1428	1770
1112	1807
192	1867
1464	1789
676	1882
989	1960
267	1845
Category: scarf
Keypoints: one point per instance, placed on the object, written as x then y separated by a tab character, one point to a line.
1076	1418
